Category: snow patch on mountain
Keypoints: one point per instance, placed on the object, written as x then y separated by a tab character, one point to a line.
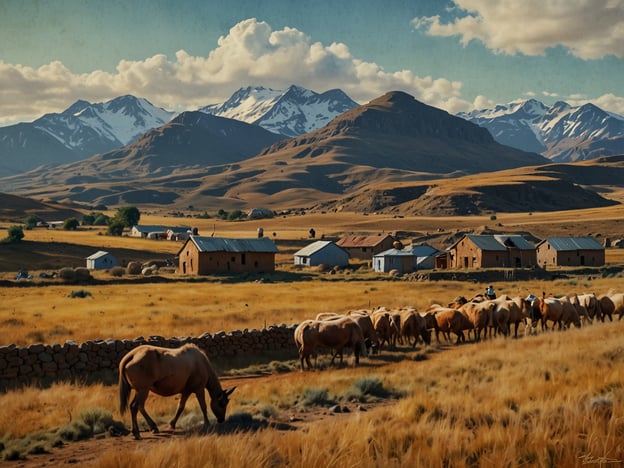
560	132
290	112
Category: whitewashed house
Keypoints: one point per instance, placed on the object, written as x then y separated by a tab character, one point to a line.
322	253
405	260
101	260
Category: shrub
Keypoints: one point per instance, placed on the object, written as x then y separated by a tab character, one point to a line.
67	274
70	224
14	234
367	388
81	293
316	397
134	268
117	271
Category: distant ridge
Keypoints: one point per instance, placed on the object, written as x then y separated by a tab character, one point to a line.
82	130
560	132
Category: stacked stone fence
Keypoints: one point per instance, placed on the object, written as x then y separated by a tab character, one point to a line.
41	364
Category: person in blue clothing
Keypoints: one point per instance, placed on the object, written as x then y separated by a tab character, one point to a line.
489	292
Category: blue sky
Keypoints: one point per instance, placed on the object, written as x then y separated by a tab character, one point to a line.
455	54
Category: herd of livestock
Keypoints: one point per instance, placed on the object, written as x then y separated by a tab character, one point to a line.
367	331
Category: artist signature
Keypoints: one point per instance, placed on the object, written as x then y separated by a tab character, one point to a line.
592	460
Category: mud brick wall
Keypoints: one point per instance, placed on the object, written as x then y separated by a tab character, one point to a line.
43	364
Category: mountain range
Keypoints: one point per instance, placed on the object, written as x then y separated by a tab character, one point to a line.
290	113
392	139
393	151
560	132
82	130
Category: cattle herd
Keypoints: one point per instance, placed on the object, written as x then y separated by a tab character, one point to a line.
368	331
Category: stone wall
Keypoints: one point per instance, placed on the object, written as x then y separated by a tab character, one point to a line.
39	364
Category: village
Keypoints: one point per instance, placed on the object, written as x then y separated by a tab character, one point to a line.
383	252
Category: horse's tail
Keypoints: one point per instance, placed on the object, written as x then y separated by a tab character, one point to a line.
124	387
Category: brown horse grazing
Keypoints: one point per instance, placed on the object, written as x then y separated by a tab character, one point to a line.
168	372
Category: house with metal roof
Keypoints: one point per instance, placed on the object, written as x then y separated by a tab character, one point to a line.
101	260
570	251
322	252
365	247
208	255
410	258
491	251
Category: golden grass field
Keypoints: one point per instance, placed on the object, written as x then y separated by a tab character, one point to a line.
501	402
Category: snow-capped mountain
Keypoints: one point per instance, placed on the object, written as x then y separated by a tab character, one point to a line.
290	113
120	120
81	130
560	132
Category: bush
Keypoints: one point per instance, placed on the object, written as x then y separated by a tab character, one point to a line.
134	268
117	271
67	274
367	388
71	224
316	397
81	293
15	234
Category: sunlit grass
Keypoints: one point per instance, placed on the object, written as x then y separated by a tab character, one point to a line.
501	402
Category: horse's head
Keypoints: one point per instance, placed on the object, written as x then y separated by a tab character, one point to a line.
219	405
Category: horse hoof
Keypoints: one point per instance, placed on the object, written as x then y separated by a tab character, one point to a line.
155	430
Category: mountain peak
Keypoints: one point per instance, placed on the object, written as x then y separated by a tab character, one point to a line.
292	112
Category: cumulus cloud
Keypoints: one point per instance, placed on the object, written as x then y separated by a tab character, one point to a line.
588	29
252	53
608	102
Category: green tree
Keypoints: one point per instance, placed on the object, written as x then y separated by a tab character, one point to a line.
88	219
71	224
115	228
234	215
15	234
101	219
128	215
31	222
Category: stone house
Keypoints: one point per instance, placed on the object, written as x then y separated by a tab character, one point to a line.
208	255
365	247
491	251
570	251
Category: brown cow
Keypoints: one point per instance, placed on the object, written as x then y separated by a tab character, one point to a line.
334	334
414	325
363	319
480	316
519	312
383	326
590	302
452	321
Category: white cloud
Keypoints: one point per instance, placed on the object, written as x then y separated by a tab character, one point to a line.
589	29
251	54
608	102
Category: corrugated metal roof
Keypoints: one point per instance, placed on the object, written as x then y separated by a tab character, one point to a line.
312	248
395	253
422	250
574	243
222	244
486	242
146	228
98	254
516	241
360	241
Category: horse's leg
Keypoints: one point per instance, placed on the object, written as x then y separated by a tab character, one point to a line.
138	404
181	405
201	398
